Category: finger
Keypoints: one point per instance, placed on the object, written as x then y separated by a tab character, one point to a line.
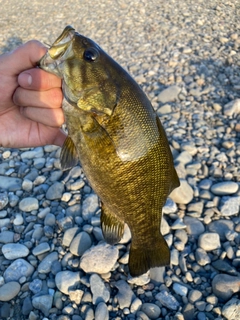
48	117
24	57
40	99
37	79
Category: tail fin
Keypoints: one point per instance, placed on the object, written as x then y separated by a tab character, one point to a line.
141	259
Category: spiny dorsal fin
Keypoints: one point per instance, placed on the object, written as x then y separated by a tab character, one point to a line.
68	157
112	226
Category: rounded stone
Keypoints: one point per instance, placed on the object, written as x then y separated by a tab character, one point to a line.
81	243
224	286
209	241
224	188
101	312
67	280
28	204
17	269
182	194
9	290
151	310
14	251
55	192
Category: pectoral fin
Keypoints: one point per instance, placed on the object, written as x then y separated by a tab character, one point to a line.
112	226
68	157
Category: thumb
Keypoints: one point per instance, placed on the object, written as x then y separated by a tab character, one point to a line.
24	57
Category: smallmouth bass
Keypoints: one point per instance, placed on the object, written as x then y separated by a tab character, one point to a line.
122	147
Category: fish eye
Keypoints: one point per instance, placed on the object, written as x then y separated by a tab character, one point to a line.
90	54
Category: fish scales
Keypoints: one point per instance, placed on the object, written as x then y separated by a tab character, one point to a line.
120	142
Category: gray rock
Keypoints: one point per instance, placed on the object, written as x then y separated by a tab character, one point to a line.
125	294
167	108
224	266
28	204
151	310
209	241
67	281
224	286
165	229
76	295
167	300
55	191
182	194
99	259
45	264
89	206
224	188
180	289
140	280
194	296
18	220
157	274
3	200
36	286
101	312
14	251
194	226
99	291
170	206
69	235
39	163
202	257
6	236
184	157
17	269
35	153
50	220
43	303
10	183
169	94
222	227
232	108
4	222
27	185
41	248
230	206
27	306
9	290
231	310
81	243
74	211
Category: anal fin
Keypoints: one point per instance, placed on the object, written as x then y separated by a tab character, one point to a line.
112	226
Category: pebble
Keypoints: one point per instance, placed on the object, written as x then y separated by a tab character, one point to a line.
9	290
224	286
157	274
6	236
43	303
69	235
221	227
194	227
55	191
99	291
67	281
14	251
194	296
99	259
231	310
45	264
167	300
18	220
151	310
232	108
10	183
125	294
41	248
80	243
28	204
169	94
209	241
89	206
35	153
101	312
136	305
202	257
224	188
230	206
180	289
18	269
182	194
3	200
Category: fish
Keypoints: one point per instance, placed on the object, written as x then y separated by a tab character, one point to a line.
120	142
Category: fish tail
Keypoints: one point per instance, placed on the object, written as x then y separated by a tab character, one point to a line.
141	259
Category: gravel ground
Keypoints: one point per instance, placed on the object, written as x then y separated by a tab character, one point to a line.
54	263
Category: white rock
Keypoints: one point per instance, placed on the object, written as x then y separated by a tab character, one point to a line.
182	194
67	281
209	241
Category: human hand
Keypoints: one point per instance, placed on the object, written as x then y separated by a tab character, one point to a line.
30	100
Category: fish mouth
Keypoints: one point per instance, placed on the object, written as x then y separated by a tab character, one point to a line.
58	52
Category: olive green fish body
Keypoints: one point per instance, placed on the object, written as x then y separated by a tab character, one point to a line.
121	144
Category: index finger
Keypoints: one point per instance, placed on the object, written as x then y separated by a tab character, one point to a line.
38	80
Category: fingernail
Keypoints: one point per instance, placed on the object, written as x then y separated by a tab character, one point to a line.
25	79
